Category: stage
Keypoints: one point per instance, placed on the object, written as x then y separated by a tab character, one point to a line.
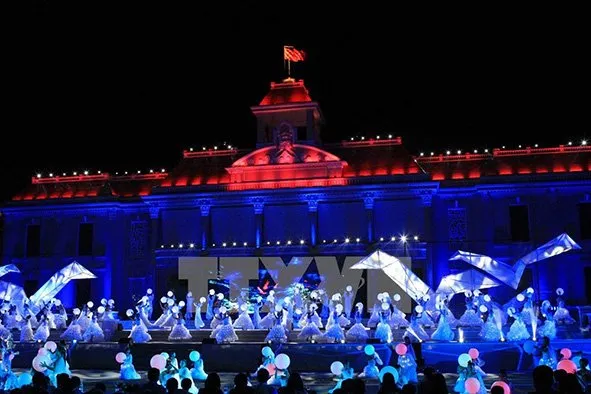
245	355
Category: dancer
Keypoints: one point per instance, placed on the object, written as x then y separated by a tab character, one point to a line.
470	318
256	316
217	320
94	333
165	312
334	332
310	330
185	373
518	330
358	332
490	331
374	318
190	305
244	322
139	332
546	352
128	371
277	333
83	319
268	320
150	303
348	300
268	358
371	371
383	331
61	318
171	370
424	319
548	329
74	331
415	328
8	380
179	332
26	330
470	371
225	332
197	371
58	364
562	315
198	320
298	301
346	373
443	331
397	318
42	332
210	301
528	312
408	369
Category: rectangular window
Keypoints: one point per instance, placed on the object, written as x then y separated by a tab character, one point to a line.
302	133
33	240
85	237
585	220
519	217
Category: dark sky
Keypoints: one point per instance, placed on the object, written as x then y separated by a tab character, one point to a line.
115	87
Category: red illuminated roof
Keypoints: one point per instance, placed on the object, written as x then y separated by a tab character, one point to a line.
561	159
287	92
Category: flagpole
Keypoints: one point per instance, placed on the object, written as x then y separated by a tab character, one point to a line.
288	68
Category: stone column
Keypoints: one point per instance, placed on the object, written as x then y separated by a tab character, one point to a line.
313	220
368	202
205	224
258	219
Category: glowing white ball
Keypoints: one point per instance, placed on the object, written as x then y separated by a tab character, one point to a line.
163	300
385	306
129	312
223	309
530	290
76	311
339	308
220	296
101	309
149	291
90	304
487	298
397	297
175	309
349	288
170	294
212	292
243	307
278	308
182	304
520	297
419	309
483	309
202	300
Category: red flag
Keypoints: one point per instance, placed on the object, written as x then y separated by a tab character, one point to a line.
293	55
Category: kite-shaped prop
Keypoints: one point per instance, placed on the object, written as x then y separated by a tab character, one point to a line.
59	280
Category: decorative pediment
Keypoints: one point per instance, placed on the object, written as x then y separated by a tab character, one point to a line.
286	160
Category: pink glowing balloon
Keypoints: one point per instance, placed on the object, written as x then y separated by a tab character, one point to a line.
566	353
120	357
42	352
472	385
474	353
37	361
401	349
50	345
505	386
567	365
158	361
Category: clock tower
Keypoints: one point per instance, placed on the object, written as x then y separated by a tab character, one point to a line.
288	113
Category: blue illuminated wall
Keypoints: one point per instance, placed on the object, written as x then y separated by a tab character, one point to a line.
131	245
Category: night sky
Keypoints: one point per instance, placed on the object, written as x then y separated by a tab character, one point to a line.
127	87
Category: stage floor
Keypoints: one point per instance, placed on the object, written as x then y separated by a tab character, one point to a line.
319	382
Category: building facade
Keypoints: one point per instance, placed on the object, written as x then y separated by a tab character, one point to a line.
294	197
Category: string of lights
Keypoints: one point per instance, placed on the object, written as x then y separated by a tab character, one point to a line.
403	239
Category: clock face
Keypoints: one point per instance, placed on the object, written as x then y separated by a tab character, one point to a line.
285	132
